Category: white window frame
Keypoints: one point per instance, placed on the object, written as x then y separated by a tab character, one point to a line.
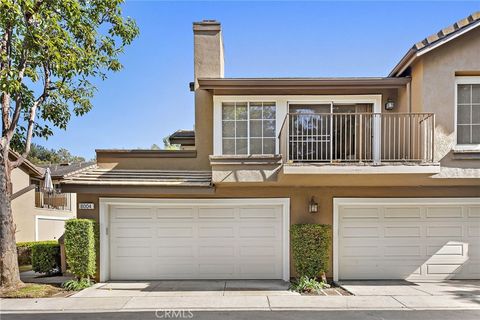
248	120
281	104
463	80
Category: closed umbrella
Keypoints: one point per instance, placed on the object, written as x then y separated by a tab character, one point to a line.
47	183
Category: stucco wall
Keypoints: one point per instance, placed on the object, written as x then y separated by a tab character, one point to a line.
435	74
24	210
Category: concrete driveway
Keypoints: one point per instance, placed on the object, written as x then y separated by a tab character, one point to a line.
176	288
416	294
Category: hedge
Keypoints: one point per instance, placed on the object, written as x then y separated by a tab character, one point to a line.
80	247
24	250
311	248
46	258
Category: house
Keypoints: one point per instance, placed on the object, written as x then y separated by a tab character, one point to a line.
392	163
40	215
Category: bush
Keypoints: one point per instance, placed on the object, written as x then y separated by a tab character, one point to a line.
308	285
311	249
80	247
46	258
76	284
24	250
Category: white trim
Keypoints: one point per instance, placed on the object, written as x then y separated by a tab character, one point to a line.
463	80
41	217
104	204
281	103
337	202
360	169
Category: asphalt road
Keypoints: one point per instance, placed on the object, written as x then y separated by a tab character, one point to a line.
257	315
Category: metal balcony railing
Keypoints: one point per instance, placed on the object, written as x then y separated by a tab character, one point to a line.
358	137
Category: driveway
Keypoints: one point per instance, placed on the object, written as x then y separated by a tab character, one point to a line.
417	294
177	288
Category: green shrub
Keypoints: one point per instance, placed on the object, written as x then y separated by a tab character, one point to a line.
311	249
308	285
77	284
46	258
24	251
80	247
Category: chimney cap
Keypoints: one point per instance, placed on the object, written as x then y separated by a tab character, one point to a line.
207	25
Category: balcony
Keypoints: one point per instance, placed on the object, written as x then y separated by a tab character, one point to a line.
358	143
53	201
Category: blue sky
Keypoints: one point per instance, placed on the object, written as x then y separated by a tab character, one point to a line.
150	98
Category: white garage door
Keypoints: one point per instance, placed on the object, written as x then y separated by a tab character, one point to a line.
408	238
200	240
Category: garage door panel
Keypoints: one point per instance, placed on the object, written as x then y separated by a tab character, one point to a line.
175	213
361	231
403	251
216	213
391	231
444	212
175	251
474	212
204	242
408	241
132	214
354	213
410	213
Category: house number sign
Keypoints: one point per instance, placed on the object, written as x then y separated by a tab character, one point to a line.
86	206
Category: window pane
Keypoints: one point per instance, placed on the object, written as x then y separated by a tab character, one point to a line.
228	146
255	146
255	110
269	146
476	114
228	111
464	115
241	129
476	93
463	93
269	110
476	134
255	128
269	128
241	111
241	146
463	134
228	129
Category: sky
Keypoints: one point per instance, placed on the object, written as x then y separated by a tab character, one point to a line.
150	98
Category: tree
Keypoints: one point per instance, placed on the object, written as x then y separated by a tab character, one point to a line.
168	146
50	53
40	155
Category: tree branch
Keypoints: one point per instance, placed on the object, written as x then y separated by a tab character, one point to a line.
31	118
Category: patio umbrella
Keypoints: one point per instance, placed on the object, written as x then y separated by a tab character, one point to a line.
47	183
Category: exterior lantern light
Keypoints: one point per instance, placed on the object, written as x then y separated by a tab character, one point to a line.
312	206
390	104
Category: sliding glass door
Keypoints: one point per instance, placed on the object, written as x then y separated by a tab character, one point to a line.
330	132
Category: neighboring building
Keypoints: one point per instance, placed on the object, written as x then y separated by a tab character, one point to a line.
392	162
39	215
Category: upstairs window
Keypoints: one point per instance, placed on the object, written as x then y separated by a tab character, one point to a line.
248	128
468	111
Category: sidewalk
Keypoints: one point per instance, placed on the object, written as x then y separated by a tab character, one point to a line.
222	303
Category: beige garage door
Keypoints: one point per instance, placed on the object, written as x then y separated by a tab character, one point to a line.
50	228
203	241
408	239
